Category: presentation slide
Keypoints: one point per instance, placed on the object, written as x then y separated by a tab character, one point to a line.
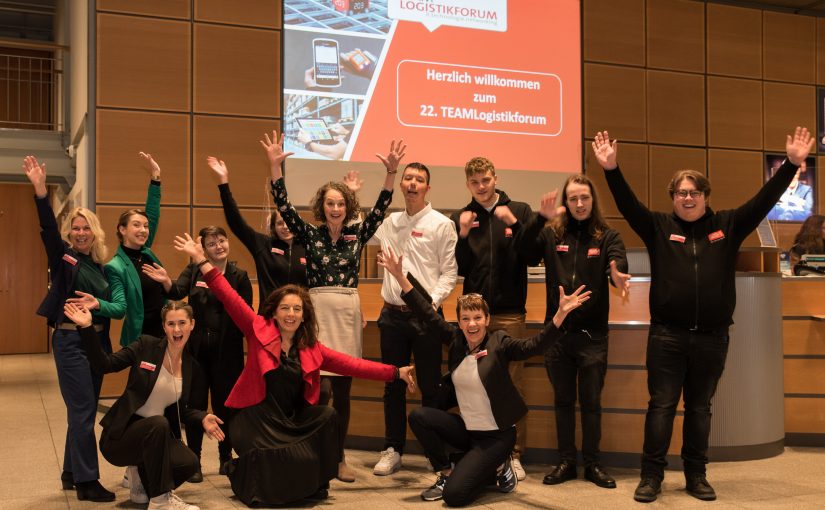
454	78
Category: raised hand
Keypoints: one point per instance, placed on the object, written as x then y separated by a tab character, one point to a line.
393	264
799	145
219	170
157	273
465	223
353	180
605	150
36	173
504	213
274	148
569	303
150	165
548	208
398	149
77	314
85	300
211	425
620	280
189	246
406	375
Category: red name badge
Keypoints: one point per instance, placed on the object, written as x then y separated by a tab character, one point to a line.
677	238
278	251
593	252
475	224
508	232
303	260
716	236
68	258
148	366
350	237
562	247
201	284
416	233
481	354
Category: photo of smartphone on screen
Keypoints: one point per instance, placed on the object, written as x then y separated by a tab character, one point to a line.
325	53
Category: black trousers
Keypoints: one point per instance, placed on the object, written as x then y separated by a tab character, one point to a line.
483	451
578	361
403	335
338	389
688	363
163	462
222	370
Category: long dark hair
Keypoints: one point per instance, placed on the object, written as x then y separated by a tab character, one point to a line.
809	239
307	334
597	223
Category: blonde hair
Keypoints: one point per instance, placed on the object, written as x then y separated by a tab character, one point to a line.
99	251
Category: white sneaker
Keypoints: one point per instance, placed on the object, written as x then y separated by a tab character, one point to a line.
517	467
389	463
136	491
170	501
125	482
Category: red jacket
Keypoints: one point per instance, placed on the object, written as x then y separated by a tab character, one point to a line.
264	343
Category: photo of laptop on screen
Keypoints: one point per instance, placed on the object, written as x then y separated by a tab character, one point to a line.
317	130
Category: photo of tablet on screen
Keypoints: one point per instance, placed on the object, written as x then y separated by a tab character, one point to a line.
317	129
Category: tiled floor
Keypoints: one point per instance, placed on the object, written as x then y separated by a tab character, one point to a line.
33	428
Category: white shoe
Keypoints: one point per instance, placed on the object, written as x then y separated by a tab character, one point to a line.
170	501
125	482
519	470
389	463
136	491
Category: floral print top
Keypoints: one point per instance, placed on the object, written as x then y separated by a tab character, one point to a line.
331	264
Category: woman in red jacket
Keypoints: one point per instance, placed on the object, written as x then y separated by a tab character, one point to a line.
288	446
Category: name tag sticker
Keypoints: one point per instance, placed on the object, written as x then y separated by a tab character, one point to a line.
481	354
350	237
716	236
508	232
416	233
677	238
562	247
278	251
593	252
68	258
303	260
201	284
475	224
148	366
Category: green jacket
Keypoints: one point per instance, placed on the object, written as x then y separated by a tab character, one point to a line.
124	280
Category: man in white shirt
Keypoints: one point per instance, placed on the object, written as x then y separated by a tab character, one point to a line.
426	239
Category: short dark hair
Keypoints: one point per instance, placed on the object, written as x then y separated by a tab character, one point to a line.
471	302
307	334
350	199
418	166
211	230
124	220
699	180
171	306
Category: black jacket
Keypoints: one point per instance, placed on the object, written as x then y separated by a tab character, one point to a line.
149	352
692	264
506	402
576	259
277	263
488	260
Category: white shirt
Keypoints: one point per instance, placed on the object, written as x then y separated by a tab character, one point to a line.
473	402
166	392
427	242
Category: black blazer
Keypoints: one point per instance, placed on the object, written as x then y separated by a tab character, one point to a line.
506	402
147	351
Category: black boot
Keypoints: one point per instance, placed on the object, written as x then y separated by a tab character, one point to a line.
698	487
67	479
93	491
224	468
198	476
563	472
599	476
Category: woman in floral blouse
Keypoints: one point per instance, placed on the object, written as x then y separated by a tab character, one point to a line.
333	253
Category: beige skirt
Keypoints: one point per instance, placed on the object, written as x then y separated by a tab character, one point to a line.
338	311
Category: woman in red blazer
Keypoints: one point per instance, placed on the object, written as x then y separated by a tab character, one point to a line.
288	445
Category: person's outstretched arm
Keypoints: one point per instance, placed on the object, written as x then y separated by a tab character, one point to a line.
152	196
100	361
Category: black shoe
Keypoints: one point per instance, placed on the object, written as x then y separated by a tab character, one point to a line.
435	492
321	494
93	491
506	479
67	479
197	477
563	472
224	467
698	487
599	476
647	490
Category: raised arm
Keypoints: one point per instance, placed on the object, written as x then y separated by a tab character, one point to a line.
274	148
531	241
237	224
100	361
152	196
49	232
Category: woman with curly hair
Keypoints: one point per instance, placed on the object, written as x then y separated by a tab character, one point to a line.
810	238
333	252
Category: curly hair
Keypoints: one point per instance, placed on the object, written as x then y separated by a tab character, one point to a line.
99	250
479	165
307	334
809	239
597	225
350	199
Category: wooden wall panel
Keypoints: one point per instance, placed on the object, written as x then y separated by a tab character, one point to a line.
633	164
820	51
614	31
235	70
735	177
789	47
163	8
803	337
121	135
805	415
675	108
734	36
787	106
614	100
798	376
676	35
631	240
734	113
664	162
236	142
143	63
256	13
801	297
237	251
819	207
628	346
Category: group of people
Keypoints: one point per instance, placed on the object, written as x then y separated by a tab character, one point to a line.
304	342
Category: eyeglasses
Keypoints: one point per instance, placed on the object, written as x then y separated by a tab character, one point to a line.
694	193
